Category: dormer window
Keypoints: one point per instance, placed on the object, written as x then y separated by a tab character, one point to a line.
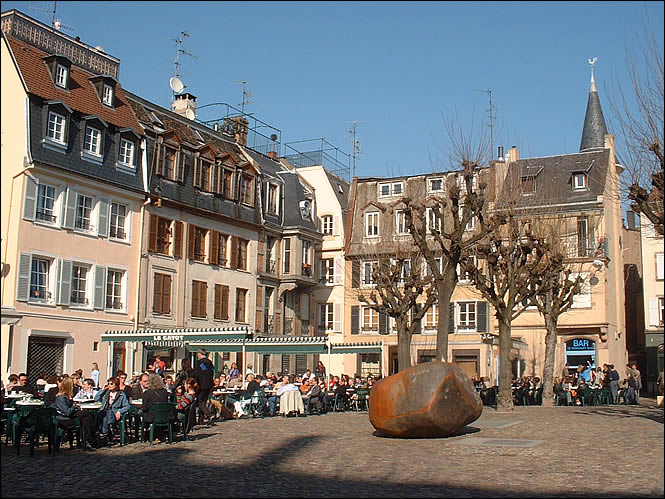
580	182
93	141
390	189
126	156
61	74
56	127
435	184
107	95
528	186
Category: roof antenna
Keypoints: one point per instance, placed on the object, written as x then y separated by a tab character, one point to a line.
56	24
356	147
176	84
490	117
245	94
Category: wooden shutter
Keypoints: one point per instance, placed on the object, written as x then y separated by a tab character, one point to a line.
177	239
418	323
355	319
225	302
383	323
30	202
157	294
152	239
195	299
65	282
338	270
69	209
451	318
203	299
100	286
158	163
180	176
197	171
214	248
336	220
355	274
234	252
103	218
481	316
190	241
23	285
166	294
217	314
337	317
653	312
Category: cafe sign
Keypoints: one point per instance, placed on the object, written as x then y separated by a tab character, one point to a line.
166	340
580	345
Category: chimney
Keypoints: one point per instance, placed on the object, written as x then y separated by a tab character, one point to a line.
185	105
272	154
239	125
513	154
500	155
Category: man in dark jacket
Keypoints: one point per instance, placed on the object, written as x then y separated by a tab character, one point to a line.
204	373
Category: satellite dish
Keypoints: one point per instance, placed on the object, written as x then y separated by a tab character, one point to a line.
176	85
190	114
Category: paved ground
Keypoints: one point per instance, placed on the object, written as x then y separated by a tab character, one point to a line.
564	451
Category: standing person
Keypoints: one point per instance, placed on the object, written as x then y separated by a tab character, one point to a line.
321	370
204	371
613	376
565	372
94	374
638	382
158	366
233	372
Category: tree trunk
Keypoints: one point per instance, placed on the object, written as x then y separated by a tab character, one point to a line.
403	347
444	289
505	397
548	370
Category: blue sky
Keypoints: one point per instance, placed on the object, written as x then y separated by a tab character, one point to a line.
396	68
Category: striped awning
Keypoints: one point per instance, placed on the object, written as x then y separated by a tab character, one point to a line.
365	347
267	344
177	336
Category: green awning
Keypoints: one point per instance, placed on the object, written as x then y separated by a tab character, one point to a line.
177	337
368	347
266	344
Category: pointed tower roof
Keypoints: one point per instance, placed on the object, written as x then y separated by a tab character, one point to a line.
593	134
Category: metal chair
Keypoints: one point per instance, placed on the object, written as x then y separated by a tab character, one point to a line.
257	404
360	402
163	417
41	422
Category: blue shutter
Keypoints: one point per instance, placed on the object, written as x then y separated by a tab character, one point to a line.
69	209
65	282
30	198
100	286
103	219
23	285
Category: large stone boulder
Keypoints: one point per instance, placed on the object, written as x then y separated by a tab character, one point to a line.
434	399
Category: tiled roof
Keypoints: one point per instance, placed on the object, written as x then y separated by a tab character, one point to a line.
81	96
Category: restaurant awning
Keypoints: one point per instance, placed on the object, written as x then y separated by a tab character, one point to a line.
366	347
286	345
177	337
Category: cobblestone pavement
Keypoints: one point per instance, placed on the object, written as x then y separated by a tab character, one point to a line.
612	451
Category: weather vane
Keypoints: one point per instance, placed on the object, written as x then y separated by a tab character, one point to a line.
592	63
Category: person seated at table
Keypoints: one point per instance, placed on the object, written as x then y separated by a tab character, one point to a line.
240	405
186	372
139	388
274	398
41	381
11	383
188	397
168	384
340	391
306	376
155	394
68	412
122	384
114	405
314	393
235	382
23	386
86	392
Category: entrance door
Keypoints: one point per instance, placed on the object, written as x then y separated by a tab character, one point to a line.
118	357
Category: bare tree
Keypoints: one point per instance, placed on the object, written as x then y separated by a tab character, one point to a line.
638	116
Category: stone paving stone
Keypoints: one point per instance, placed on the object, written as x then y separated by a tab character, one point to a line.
614	451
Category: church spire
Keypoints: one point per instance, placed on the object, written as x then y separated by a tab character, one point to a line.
594	131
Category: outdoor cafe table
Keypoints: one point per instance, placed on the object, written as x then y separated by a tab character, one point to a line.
15	395
35	403
90	405
137	403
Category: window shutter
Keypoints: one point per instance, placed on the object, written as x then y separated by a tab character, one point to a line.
481	317
195	299
336	231
355	319
152	238
203	299
451	319
225	302
383	323
418	323
217	314
181	166
338	270
166	294
355	274
177	239
214	248
65	282
23	286
69	209
337	317
190	241
100	286
653	312
157	294
660	266
197	171
103	218
158	162
234	252
30	202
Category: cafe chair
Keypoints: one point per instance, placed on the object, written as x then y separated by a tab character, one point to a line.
339	403
77	429
360	402
257	405
314	404
163	413
14	420
40	422
605	396
129	423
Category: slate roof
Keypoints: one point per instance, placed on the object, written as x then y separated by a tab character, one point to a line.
342	197
594	131
294	192
81	96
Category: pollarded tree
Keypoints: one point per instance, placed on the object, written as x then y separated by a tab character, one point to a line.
510	262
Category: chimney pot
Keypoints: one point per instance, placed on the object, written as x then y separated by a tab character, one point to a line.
272	154
500	152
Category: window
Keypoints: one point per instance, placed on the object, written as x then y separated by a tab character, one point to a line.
40	280
61	73
80	284
660	271
327	271
126	156
107	95
306	264
202	175
433	220
46	204
199	236
227	189
390	189
93	141
168	161
273	198
218	248
161	298
199	298
242	254
400	222
370	319
467	315
247	189
83	213
438	266
661	307
368	269
117	222
528	185
406	270
432	317
56	127
163	235
326	317
471	224
241	295
584	246
372	224
579	181
221	302
327	225
435	185
114	289
287	255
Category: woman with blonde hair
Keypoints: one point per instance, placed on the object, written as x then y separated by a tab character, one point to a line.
68	413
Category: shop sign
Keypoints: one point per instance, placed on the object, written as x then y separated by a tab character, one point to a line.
166	340
580	345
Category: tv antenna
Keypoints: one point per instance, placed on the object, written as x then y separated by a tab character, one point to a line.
491	118
176	84
56	24
245	95
355	146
